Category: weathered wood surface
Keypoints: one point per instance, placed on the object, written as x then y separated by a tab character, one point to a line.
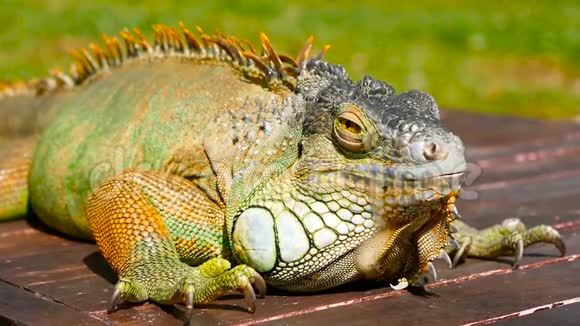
524	168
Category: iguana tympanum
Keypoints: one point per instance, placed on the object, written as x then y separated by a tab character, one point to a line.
202	166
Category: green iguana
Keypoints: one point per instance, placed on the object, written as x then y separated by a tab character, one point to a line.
190	155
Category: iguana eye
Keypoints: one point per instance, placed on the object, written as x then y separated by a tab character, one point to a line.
349	125
350	132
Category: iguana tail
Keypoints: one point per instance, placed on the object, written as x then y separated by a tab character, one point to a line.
15	158
24	105
23	114
25	108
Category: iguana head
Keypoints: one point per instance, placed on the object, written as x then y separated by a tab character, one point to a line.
387	144
370	193
388	150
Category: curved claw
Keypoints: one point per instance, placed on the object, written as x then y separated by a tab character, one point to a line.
551	235
403	284
561	246
462	251
453	228
115	299
189	303
519	252
454	244
259	285
432	271
544	234
455	212
250	297
443	255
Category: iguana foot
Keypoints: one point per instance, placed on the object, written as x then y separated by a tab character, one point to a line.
508	238
132	218
181	283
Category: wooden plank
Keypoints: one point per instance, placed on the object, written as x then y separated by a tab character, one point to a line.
278	304
463	302
92	292
554	314
521	163
74	276
150	314
228	310
492	131
23	307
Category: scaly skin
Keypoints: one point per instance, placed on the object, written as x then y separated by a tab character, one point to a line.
184	157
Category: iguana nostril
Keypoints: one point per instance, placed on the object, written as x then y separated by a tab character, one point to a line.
434	151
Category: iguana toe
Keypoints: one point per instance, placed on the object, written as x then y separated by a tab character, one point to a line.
545	234
240	278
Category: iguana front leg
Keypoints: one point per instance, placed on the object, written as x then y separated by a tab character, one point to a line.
508	238
149	225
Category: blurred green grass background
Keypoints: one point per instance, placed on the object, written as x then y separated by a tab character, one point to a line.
508	57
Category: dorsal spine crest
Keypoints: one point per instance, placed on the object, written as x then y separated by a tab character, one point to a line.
269	69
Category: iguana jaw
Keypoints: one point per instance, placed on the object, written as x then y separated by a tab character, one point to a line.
401	204
398	252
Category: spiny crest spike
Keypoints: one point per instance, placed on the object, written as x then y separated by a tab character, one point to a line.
92	64
324	51
239	44
82	66
130	43
288	59
115	54
142	41
257	61
304	54
234	50
100	55
177	40
250	46
272	56
160	38
204	37
190	38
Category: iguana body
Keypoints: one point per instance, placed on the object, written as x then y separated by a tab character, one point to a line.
195	153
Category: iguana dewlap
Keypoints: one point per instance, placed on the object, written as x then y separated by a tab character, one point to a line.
190	155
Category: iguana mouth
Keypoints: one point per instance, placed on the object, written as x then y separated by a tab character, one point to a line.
400	196
395	196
